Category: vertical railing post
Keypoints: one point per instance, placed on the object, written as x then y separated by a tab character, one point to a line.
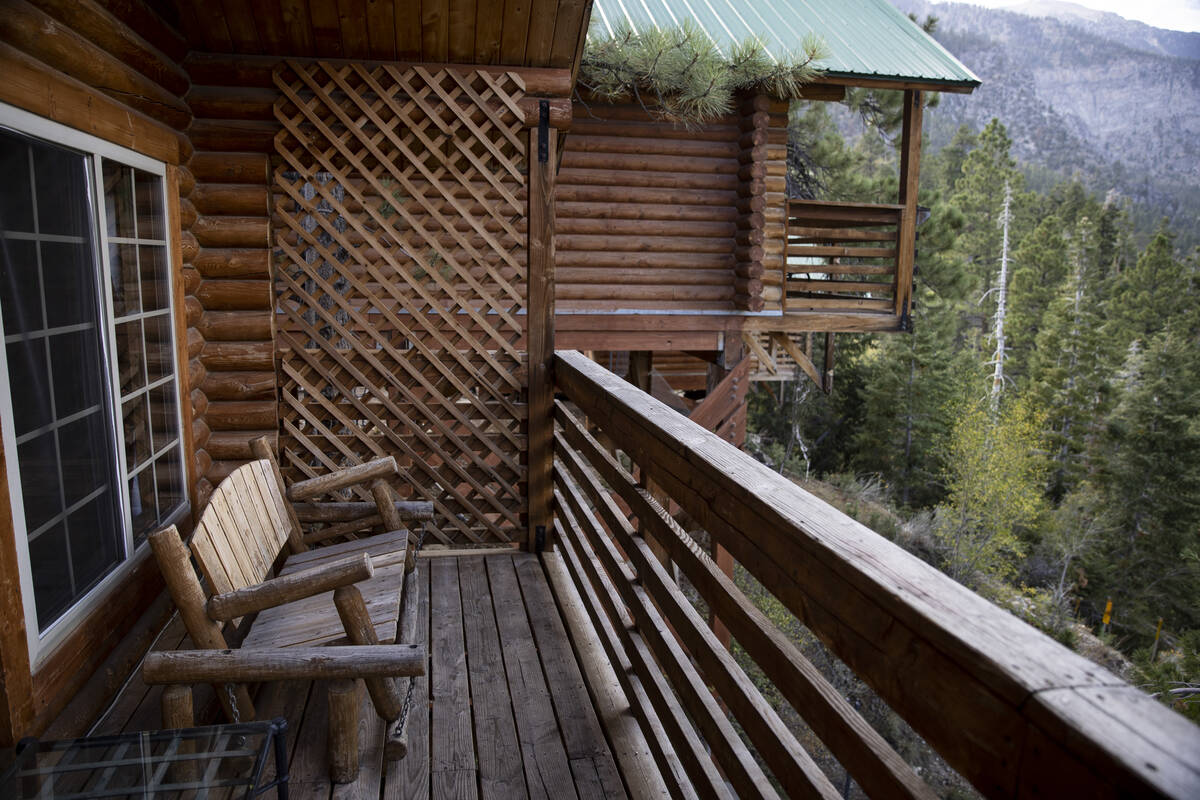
539	331
910	169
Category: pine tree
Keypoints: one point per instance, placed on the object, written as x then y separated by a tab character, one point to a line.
1070	367
1148	461
1038	275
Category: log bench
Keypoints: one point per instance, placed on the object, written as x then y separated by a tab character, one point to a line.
330	613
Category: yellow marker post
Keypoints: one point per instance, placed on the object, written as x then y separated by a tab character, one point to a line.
1107	618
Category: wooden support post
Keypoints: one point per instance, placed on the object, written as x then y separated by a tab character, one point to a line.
261	447
386	505
189	598
734	352
540	329
910	169
177	714
641	362
406	633
357	622
343	731
827	375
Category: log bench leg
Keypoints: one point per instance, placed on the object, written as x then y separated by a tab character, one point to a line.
177	713
343	731
357	622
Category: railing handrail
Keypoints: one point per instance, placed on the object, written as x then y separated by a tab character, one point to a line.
1009	708
804	201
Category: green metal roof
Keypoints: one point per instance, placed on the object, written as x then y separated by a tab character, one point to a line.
865	38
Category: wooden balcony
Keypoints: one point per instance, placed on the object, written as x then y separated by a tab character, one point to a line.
845	259
589	671
1014	712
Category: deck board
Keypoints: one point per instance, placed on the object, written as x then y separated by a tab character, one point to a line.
503	711
500	772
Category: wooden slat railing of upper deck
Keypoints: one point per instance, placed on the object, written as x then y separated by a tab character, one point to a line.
1014	712
841	257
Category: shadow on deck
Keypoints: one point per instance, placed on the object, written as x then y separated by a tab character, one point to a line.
503	710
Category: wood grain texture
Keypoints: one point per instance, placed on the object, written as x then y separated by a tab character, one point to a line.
975	678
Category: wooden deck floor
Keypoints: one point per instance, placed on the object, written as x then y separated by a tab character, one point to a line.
503	711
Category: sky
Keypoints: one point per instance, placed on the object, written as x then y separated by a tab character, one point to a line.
1180	15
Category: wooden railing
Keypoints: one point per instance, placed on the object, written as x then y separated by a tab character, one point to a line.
1014	712
841	257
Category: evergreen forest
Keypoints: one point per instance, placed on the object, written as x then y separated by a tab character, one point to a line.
1037	436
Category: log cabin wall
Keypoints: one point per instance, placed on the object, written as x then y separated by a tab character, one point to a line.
656	216
75	62
228	274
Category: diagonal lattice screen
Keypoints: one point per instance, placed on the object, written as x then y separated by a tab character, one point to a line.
400	283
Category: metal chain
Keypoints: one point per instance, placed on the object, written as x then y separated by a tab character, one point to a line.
412	682
233	706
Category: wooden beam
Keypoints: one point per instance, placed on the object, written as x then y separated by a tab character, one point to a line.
16	680
799	356
540	333
910	171
284	664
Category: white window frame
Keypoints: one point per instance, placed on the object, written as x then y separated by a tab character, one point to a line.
95	150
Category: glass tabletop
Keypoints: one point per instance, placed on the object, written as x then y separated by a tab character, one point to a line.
187	763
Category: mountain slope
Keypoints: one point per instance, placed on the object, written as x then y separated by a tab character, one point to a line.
1078	101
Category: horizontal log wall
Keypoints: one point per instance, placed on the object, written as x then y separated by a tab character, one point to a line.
652	215
77	63
229	277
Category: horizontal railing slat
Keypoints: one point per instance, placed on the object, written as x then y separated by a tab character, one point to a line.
981	686
584	564
788	761
860	749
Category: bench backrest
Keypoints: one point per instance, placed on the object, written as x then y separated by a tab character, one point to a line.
243	530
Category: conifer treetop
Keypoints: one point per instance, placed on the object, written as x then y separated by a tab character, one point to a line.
680	74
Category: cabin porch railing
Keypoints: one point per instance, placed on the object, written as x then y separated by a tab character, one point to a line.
1014	712
842	257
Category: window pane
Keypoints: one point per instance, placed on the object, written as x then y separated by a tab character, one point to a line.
158	347
16	201
61	185
150	216
118	199
168	474
20	286
130	358
78	371
51	574
58	377
41	486
163	415
94	548
122	265
82	473
67	270
141	503
137	432
156	290
27	369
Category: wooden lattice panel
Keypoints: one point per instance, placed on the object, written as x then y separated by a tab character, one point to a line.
400	274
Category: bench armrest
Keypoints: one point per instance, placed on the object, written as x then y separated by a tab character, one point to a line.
380	468
290	663
285	589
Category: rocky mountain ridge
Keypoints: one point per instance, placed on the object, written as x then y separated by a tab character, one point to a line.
1081	101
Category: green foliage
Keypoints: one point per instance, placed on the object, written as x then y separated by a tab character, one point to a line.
994	475
683	76
1173	678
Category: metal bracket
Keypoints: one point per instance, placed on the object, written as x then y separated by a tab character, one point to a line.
543	131
906	323
539	538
